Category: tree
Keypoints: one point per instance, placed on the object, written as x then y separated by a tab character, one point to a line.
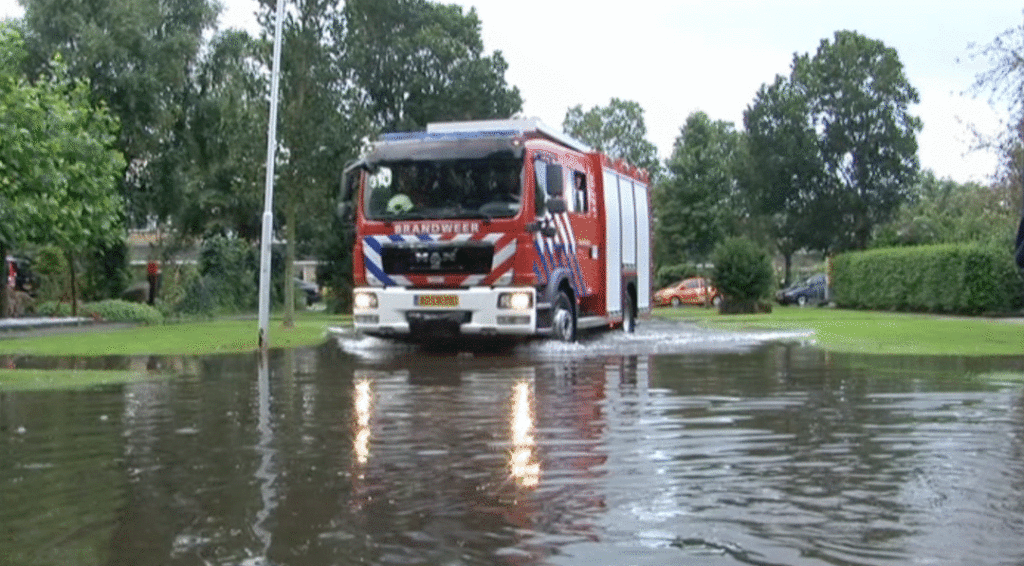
696	205
854	97
226	118
58	167
784	177
1005	79
416	62
859	101
138	56
942	211
617	130
321	124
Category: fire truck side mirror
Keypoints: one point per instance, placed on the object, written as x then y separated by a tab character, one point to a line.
345	210
557	205
554	178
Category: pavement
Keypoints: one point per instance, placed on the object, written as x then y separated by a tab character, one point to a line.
35	326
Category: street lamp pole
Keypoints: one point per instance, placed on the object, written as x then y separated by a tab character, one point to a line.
268	199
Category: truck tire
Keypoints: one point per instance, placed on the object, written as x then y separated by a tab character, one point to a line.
563	318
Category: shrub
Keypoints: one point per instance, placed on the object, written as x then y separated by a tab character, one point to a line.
951	278
51	265
111	310
224	283
742	271
105	271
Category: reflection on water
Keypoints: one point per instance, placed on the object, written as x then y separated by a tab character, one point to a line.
772	454
525	469
363	407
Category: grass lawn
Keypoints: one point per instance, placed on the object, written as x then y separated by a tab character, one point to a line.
834	329
874	332
192	338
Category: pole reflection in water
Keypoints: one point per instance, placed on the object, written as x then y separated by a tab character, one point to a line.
265	474
524	467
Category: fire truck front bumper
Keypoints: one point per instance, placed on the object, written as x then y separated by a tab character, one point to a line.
482	311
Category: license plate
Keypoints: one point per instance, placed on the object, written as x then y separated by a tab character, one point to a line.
446	301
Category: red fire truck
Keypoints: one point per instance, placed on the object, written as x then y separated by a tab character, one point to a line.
497	228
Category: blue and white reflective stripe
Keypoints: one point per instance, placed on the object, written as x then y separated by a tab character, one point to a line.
374	265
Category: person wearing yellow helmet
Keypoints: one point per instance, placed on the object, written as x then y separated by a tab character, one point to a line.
400	204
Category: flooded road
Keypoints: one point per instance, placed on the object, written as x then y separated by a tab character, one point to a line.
672	446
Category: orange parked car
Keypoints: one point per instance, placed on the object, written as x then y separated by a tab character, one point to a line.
692	291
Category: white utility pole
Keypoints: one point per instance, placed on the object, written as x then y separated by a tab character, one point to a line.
268	199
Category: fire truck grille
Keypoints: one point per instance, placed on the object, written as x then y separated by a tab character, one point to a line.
423	258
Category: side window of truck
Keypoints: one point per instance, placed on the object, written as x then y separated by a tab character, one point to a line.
579	193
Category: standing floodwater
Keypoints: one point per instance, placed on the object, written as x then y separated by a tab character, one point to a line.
661	448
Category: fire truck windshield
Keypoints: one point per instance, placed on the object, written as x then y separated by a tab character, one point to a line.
460	188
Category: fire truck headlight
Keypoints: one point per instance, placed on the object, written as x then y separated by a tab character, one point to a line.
518	300
364	300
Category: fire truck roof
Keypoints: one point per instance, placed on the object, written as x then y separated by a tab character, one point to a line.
528	127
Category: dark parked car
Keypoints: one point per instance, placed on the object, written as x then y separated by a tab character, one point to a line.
312	291
810	291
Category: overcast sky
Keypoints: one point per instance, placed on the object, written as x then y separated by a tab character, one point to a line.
677	57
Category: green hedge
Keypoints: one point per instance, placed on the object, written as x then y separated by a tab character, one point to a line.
113	310
954	278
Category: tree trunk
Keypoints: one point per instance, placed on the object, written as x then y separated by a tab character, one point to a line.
74	285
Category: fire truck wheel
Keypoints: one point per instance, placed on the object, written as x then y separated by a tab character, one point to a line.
563	319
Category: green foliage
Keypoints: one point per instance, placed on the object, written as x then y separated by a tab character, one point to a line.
949	278
669	274
58	172
617	130
785	180
942	211
415	61
227	278
224	168
105	272
225	281
335	273
837	142
743	271
51	265
110	310
697	205
139	57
